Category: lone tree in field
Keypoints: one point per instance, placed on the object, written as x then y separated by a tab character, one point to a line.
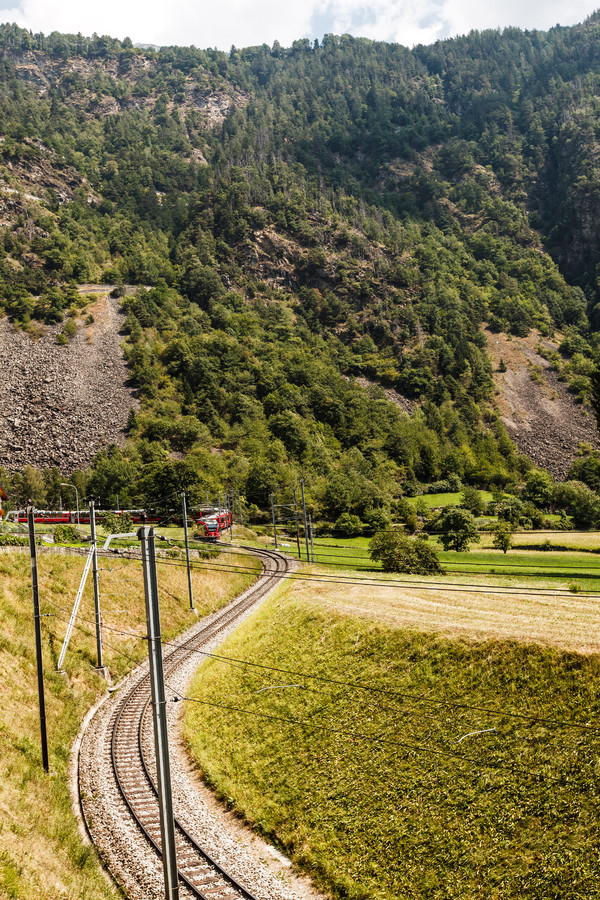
458	528
397	552
503	536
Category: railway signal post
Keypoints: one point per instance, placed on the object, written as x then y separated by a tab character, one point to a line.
159	716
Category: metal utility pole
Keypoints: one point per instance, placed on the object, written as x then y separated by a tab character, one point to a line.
305	523
312	547
38	636
187	549
274	528
97	613
297	528
159	715
240	506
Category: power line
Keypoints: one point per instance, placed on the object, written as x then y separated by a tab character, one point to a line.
405	745
346	684
589	570
451	587
421	698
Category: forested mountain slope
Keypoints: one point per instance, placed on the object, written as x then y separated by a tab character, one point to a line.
298	219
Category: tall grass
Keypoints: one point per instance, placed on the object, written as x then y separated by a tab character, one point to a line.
364	790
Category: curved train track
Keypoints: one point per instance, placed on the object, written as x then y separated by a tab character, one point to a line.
131	747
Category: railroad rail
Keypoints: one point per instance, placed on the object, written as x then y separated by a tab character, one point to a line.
131	748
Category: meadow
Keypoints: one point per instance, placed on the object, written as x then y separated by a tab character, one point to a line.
392	758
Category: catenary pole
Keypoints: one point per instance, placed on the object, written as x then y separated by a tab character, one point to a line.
187	549
305	522
159	716
97	613
38	635
312	546
274	526
297	528
240	506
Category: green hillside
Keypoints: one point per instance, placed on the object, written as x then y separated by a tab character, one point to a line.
304	217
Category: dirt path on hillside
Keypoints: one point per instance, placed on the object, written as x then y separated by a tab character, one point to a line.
60	404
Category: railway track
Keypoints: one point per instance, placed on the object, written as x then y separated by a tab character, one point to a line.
128	744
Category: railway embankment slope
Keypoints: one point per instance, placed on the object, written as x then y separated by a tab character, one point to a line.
41	853
394	755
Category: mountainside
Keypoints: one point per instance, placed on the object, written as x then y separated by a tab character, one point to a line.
315	231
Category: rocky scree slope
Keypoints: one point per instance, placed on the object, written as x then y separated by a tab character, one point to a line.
61	404
541	416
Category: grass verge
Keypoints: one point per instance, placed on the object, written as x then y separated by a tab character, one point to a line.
41	853
363	788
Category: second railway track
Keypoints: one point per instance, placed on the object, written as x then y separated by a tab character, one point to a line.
121	754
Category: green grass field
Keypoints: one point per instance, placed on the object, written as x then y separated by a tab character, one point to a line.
438	501
532	568
392	763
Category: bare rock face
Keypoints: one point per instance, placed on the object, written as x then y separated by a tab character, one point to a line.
541	416
61	404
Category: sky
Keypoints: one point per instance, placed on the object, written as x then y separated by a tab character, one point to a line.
244	23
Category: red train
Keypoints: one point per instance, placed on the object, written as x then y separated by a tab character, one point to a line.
69	516
212	523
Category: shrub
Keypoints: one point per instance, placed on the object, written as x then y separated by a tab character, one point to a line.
349	525
378	520
13	540
397	552
65	534
113	523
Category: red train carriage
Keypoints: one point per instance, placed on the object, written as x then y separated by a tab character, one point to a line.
212	525
43	516
70	516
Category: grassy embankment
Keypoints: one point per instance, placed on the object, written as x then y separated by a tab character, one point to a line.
41	853
361	794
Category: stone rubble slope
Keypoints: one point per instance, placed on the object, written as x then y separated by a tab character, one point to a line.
61	404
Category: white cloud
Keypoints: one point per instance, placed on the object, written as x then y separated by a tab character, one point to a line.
249	22
203	23
464	15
